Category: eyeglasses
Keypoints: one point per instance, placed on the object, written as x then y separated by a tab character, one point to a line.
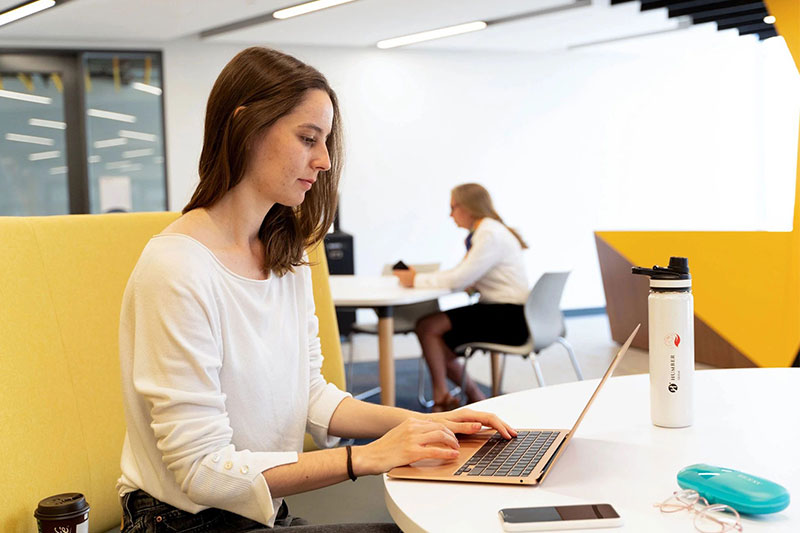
716	518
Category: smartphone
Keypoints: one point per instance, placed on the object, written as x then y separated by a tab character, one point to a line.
559	517
400	266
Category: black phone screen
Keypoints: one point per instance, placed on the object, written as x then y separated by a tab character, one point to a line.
522	515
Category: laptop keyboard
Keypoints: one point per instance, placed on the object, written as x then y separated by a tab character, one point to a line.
517	457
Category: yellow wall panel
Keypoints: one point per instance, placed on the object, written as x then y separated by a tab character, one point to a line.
741	284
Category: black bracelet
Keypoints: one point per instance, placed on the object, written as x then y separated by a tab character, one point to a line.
350	463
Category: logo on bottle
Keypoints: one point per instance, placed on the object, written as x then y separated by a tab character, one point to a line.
673	375
672	340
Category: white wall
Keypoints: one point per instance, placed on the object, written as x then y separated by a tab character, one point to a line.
687	131
661	137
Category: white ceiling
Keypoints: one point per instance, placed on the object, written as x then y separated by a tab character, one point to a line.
5	4
359	24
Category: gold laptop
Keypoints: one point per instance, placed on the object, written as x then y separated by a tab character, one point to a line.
486	457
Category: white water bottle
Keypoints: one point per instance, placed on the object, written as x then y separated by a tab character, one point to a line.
670	312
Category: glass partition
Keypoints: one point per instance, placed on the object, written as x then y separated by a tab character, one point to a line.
124	132
33	148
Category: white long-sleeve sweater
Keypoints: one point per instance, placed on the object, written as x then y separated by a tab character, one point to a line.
220	379
493	266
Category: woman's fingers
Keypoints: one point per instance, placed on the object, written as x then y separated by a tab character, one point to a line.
427	425
462	421
504	429
441	436
436	452
465	428
433	437
422	439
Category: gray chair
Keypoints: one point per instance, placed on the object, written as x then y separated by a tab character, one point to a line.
405	320
545	326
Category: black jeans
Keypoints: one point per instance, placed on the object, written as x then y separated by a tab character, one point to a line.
141	513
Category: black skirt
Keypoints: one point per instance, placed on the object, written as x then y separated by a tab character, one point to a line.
497	323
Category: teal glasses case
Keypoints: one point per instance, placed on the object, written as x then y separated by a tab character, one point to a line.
744	492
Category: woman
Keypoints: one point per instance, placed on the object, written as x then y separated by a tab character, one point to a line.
493	266
218	339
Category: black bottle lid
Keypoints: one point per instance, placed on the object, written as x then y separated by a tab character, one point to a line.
678	269
679	264
62	506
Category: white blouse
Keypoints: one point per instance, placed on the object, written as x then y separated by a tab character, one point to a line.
493	266
220	379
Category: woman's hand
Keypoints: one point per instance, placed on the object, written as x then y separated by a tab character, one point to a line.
467	421
406	277
412	440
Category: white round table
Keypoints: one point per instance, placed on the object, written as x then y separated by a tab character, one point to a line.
746	419
381	293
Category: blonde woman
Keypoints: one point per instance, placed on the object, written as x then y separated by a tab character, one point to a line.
492	266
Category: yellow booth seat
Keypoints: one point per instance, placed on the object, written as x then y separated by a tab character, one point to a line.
61	416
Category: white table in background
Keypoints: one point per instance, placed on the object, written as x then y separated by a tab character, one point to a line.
380	293
745	419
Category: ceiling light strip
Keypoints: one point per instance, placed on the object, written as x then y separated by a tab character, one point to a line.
269	17
308	7
145	88
110	142
25	10
42	123
40	156
111	115
26	97
118	164
138	153
16	137
430	35
477	25
124	165
138	135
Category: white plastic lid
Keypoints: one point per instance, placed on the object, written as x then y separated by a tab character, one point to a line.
670	283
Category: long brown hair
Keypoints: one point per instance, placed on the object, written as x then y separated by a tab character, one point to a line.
475	199
267	85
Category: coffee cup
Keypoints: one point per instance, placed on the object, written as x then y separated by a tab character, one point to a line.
63	513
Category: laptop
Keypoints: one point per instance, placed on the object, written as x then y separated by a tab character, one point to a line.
486	457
